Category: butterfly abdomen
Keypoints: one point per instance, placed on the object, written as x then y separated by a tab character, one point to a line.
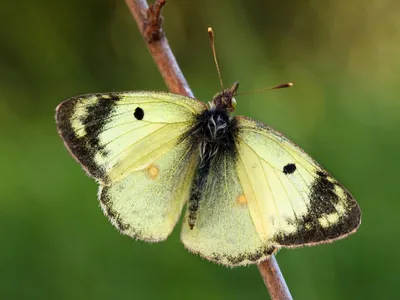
199	182
214	133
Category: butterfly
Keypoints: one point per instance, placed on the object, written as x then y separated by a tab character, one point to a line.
248	190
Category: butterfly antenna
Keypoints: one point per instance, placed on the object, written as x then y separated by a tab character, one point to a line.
280	86
211	35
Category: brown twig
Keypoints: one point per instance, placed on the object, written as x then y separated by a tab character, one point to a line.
273	279
149	21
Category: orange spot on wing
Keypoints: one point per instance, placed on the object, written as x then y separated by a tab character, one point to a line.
241	200
153	171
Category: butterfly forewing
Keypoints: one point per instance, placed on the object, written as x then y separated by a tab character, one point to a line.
114	134
292	200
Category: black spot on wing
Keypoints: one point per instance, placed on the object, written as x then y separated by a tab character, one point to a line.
322	200
289	169
139	113
86	147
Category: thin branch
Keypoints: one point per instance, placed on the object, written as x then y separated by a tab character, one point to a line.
273	279
149	20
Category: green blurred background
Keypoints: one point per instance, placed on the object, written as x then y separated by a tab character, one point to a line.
343	57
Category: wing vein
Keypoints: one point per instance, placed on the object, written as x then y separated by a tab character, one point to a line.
272	194
138	141
150	152
126	133
278	143
287	194
305	182
241	161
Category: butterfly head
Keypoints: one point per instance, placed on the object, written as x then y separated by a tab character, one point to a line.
225	100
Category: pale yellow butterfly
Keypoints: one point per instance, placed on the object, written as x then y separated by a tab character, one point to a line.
249	190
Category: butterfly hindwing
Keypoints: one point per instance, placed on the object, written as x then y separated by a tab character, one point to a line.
134	144
292	200
224	231
147	203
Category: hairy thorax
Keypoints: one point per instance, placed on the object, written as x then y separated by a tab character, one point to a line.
216	133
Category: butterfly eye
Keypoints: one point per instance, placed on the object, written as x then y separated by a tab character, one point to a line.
234	103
